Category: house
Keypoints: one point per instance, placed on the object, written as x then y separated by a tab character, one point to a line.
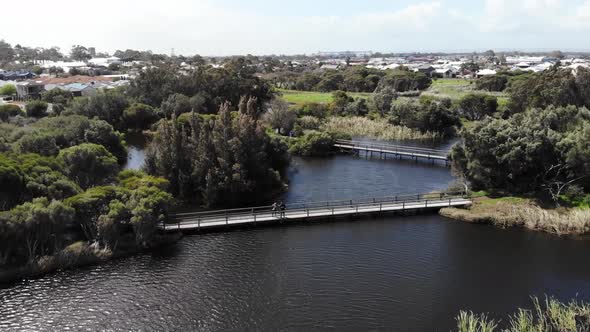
485	72
80	90
16	75
444	73
29	89
426	70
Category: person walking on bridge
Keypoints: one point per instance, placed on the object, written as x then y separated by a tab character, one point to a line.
283	207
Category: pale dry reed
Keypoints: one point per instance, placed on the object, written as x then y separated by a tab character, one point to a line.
374	129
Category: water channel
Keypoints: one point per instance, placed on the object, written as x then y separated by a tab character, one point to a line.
385	273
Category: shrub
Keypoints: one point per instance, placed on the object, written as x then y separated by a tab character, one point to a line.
8	90
8	111
139	116
36	109
313	144
475	106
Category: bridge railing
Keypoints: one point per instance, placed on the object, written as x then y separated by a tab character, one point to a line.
311	207
394	148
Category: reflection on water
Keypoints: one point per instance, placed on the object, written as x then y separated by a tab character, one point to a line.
136	143
383	273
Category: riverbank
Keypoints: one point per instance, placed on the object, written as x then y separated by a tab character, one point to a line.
80	254
525	213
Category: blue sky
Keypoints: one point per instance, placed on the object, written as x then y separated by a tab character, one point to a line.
223	27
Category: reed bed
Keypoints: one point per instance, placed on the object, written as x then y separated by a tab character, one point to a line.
503	214
551	315
374	129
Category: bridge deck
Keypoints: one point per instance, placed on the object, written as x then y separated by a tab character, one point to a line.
399	150
226	218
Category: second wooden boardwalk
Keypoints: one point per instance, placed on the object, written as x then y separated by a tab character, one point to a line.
396	150
195	221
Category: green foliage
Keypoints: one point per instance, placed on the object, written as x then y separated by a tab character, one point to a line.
350	79
28	230
278	116
175	105
57	96
138	204
551	315
108	106
27	176
221	163
89	164
9	110
139	116
402	80
67	131
213	85
535	151
8	90
556	86
36	109
313	144
492	83
317	110
426	115
476	106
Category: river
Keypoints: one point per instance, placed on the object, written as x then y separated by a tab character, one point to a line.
384	273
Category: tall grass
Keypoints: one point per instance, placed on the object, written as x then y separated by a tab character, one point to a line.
374	129
575	221
512	212
551	315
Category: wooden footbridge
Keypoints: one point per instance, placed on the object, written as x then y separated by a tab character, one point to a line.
399	151
196	221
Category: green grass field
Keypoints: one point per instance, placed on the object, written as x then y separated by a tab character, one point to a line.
294	97
456	88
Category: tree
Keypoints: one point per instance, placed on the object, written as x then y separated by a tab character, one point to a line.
402	80
107	106
80	53
6	52
89	164
557	54
383	100
139	116
9	110
279	116
340	100
475	106
8	90
494	83
40	221
529	152
426	115
57	96
556	86
175	105
36	109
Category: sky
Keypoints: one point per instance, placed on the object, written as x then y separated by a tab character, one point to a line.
232	27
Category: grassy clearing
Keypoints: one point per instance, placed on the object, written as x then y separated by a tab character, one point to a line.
457	88
507	212
373	129
551	315
298	98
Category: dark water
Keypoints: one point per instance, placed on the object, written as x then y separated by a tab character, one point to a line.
388	273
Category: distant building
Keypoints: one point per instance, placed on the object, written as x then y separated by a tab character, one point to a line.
16	75
426	70
80	90
29	89
445	73
485	72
